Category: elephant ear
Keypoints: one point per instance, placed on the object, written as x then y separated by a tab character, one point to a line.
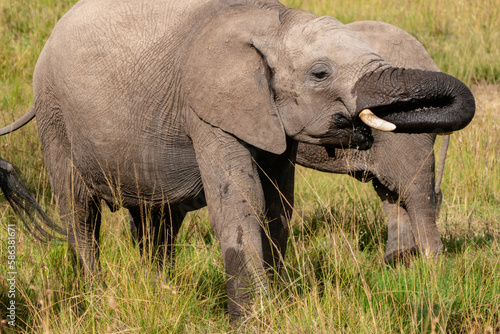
227	77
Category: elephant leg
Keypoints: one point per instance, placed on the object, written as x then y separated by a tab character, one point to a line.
83	235
400	239
81	215
422	210
278	186
236	204
155	230
79	207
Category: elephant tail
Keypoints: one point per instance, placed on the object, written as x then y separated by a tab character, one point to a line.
19	123
442	160
24	205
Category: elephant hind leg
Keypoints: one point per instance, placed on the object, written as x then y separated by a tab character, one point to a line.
155	230
81	216
83	235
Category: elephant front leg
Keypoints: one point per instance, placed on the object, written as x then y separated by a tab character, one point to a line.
412	225
236	206
422	210
400	239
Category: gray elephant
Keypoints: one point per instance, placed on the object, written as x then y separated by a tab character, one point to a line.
164	106
400	166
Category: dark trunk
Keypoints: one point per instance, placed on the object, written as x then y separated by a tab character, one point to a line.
416	101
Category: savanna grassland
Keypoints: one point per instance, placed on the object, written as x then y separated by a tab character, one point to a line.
334	279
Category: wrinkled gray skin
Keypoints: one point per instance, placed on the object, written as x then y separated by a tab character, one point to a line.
400	166
164	106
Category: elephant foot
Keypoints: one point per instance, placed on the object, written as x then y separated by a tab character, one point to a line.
403	256
402	246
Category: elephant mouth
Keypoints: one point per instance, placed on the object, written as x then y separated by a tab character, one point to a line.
357	135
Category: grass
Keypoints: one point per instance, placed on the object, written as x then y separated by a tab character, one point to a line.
334	279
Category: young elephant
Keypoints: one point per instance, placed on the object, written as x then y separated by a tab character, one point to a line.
165	106
400	166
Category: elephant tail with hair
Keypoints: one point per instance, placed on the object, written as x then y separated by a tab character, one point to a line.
18	195
24	205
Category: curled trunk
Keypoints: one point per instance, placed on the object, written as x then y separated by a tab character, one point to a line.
416	101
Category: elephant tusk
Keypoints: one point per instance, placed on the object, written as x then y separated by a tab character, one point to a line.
375	122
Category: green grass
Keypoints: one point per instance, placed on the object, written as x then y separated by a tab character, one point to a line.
334	279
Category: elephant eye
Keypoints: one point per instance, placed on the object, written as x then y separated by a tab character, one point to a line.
320	72
321	75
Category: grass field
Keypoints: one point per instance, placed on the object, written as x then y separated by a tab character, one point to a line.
334	279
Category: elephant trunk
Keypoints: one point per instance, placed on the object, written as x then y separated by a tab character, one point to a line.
416	101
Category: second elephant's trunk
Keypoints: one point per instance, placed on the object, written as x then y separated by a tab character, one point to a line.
416	101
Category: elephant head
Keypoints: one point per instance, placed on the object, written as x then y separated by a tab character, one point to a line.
261	75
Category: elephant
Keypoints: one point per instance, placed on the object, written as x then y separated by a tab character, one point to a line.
400	166
163	107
